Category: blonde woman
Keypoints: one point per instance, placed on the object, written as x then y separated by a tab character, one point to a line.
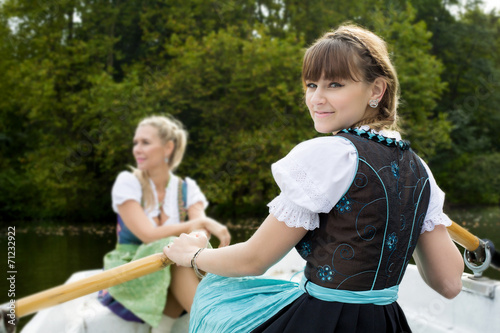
152	206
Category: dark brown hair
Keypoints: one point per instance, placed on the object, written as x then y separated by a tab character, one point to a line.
354	53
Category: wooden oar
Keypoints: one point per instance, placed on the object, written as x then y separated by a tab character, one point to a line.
156	262
463	237
477	248
106	279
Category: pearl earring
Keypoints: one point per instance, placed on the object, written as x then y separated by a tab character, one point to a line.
166	159
373	103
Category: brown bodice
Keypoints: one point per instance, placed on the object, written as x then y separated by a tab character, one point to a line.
366	241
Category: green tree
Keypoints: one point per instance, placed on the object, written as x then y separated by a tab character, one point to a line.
50	73
242	104
471	102
77	76
419	77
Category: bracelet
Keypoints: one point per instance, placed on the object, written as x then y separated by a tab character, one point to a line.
194	266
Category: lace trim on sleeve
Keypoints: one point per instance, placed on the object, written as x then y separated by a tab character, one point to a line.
292	215
429	224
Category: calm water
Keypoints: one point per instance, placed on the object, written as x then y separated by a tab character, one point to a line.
46	257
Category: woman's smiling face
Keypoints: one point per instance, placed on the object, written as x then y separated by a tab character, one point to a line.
337	104
149	151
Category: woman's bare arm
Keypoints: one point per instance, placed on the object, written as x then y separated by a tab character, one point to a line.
267	246
135	219
197	211
439	262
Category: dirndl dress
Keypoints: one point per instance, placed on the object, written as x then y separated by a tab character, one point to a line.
263	304
142	299
363	224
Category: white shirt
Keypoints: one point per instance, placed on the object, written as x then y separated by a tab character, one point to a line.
315	175
128	187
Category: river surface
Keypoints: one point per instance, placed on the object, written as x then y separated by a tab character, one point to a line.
47	256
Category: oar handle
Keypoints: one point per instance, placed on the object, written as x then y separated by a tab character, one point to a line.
463	237
106	279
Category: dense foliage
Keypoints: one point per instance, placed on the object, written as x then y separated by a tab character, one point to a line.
78	75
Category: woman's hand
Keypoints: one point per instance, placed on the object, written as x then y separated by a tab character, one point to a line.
182	249
219	230
213	228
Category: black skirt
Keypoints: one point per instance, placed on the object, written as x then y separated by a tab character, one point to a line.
310	315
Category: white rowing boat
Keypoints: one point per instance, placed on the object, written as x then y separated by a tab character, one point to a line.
475	309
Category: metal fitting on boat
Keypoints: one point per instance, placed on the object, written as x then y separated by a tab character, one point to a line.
479	259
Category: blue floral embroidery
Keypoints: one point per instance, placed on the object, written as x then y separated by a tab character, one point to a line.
305	249
325	273
391	241
344	205
395	169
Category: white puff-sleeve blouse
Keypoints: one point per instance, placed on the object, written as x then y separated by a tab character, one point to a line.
128	187
317	173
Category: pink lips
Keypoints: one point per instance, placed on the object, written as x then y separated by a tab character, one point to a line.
319	114
140	160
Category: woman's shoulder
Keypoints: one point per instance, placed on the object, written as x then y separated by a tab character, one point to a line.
318	159
316	173
321	148
190	181
324	141
126	187
128	180
191	185
194	193
126	176
184	180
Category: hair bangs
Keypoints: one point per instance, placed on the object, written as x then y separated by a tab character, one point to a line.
332	59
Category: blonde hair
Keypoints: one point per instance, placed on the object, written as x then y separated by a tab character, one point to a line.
352	52
169	129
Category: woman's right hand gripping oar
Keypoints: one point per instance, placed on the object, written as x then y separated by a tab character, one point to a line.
183	249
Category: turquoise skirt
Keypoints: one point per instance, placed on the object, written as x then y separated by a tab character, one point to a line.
239	305
267	305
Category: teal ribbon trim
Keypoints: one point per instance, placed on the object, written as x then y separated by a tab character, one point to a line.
377	297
